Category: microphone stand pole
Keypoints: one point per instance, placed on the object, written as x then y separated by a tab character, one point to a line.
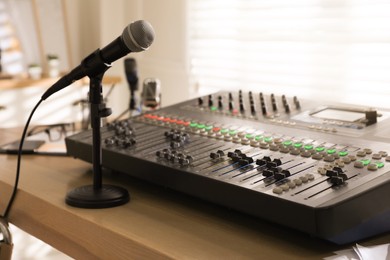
97	195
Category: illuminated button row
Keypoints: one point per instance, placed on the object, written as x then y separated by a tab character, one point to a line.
255	140
309	150
213	131
167	120
277	144
372	166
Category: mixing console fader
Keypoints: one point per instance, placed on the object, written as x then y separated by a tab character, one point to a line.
323	169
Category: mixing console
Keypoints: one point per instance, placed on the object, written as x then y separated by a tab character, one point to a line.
320	169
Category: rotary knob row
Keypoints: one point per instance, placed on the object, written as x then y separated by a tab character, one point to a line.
120	141
177	138
175	157
241	104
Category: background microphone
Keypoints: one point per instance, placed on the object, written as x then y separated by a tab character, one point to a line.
151	93
136	37
132	79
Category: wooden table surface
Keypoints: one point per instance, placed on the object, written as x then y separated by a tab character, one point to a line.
157	223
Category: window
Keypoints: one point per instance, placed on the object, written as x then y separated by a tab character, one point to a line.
11	54
336	49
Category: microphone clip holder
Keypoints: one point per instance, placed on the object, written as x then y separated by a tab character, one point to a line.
98	195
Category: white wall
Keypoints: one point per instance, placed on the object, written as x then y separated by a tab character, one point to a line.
94	24
166	59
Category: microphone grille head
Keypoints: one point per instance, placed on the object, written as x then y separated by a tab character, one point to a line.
138	36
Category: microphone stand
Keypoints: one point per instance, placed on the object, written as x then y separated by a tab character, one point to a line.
98	195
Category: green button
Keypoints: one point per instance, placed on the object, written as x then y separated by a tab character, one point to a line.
308	147
249	136
380	164
330	151
213	108
287	143
268	139
208	128
224	131
193	124
201	126
298	145
365	162
320	149
232	132
258	137
343	153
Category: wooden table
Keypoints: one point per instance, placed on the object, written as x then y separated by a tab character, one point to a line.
156	224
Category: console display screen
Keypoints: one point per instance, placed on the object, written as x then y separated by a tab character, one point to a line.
336	114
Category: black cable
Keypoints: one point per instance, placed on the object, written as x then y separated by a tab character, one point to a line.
109	91
11	200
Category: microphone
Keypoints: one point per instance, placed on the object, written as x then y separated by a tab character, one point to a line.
136	37
151	93
131	73
132	79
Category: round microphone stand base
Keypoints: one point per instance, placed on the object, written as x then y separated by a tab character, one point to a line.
90	197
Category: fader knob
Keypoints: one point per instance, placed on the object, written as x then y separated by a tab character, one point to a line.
200	101
211	101
261	162
371	116
253	108
274	104
230	96
277	161
217	155
296	102
109	141
231	105
159	154
220	102
336	180
268	173
245	161
338	170
263	109
282	175
284	100
119	130
250	97
190	158
287	108
242	107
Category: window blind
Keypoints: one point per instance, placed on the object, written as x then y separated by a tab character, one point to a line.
336	49
11	54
